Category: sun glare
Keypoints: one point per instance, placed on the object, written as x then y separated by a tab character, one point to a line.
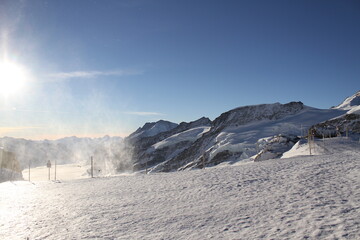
12	78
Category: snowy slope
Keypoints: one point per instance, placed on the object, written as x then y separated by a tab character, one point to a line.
310	197
189	135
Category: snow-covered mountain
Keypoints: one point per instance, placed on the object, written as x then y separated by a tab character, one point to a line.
235	135
260	132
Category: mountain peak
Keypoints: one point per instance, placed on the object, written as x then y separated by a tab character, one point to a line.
153	128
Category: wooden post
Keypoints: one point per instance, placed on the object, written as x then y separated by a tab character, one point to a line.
92	167
49	166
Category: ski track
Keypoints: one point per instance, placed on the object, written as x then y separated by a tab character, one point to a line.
309	197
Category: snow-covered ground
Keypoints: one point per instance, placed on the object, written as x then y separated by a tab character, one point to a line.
304	197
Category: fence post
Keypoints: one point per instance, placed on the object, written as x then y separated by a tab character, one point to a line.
309	140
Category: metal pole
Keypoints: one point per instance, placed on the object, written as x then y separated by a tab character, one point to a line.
49	174
55	170
29	170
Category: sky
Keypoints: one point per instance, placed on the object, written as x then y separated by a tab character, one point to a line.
95	68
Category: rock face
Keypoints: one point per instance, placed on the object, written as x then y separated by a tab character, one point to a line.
248	114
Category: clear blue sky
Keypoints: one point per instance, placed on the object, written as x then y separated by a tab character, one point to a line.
107	67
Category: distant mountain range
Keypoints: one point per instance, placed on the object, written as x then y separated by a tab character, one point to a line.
259	132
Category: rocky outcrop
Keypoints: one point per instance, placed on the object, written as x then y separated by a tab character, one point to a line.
346	124
274	147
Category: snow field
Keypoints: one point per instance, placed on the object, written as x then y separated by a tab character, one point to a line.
308	197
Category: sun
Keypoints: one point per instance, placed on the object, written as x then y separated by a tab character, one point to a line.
12	78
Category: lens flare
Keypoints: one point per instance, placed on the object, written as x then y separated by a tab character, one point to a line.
12	78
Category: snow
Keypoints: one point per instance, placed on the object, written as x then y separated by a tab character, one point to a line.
189	135
355	110
304	197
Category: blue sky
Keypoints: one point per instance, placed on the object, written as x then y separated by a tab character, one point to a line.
107	67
